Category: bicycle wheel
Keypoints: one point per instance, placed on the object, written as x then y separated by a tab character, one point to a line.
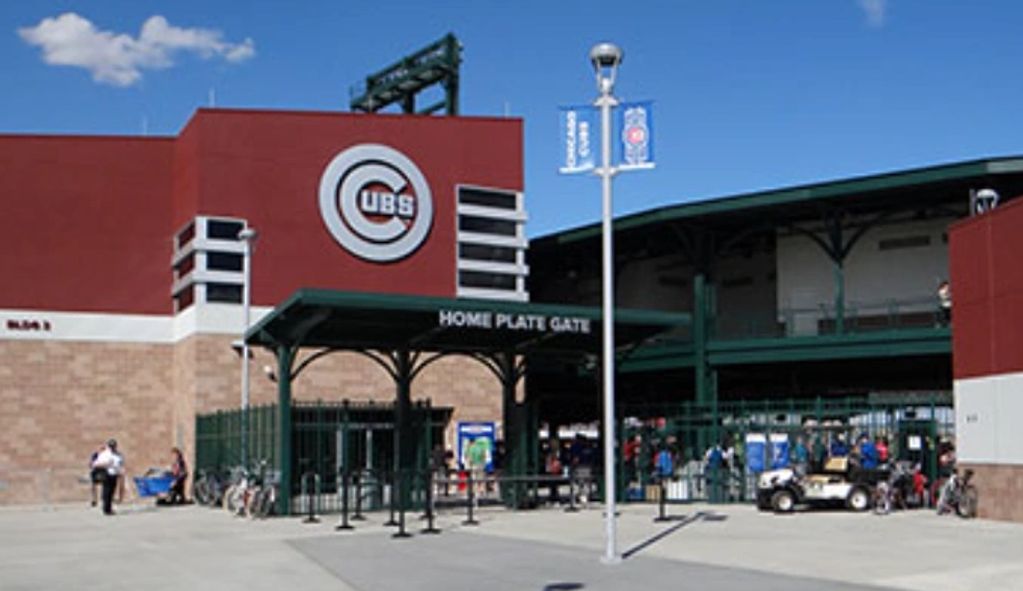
967	506
233	498
252	501
201	492
267	501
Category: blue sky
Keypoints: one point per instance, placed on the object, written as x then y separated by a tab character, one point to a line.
748	95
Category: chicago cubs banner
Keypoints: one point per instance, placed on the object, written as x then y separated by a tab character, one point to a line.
633	137
580	138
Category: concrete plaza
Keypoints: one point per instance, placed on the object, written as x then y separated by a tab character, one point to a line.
720	547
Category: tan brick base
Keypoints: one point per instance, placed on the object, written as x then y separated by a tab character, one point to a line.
59	400
1000	490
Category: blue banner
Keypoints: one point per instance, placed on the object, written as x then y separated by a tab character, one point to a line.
634	130
579	138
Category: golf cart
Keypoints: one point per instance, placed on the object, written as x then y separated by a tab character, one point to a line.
836	485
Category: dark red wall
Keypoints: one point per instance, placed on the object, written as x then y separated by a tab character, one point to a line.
266	167
87	222
986	260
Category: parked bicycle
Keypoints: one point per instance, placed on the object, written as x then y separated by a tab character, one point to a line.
959	495
208	488
252	494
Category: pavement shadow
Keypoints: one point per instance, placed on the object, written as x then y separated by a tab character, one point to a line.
683	520
563	587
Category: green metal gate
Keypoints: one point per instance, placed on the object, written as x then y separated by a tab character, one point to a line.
327	437
917	427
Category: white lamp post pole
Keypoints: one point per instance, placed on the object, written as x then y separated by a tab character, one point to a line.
248	236
605	58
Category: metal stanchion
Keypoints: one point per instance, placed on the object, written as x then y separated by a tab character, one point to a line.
430	529
571	494
401	533
343	524
391	521
661	504
311	495
357	515
471	489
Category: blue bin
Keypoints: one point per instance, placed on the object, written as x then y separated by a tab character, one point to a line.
154	485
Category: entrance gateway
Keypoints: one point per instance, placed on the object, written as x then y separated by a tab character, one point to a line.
405	334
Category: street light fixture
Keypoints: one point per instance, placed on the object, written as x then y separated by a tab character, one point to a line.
248	236
606	57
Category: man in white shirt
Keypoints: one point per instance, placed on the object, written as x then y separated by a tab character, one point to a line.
113	463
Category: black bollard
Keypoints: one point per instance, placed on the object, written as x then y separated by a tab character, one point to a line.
571	495
344	525
311	493
662	503
430	529
470	520
391	521
401	533
357	515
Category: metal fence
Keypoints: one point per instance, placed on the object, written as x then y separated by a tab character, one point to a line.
327	439
918	427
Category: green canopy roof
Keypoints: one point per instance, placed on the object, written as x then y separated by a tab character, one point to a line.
355	320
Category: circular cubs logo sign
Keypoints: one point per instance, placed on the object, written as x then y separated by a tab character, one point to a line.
376	203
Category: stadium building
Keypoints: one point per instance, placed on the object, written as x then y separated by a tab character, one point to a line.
125	279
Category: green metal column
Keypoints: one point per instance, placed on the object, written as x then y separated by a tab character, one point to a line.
700	337
404	453
839	273
285	357
515	435
837	252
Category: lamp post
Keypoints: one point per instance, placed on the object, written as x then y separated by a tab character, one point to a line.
248	236
606	58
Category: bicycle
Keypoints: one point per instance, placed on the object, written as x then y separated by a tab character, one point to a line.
958	494
261	496
208	488
234	496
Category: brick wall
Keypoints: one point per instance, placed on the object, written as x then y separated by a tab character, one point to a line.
998	489
458	382
60	400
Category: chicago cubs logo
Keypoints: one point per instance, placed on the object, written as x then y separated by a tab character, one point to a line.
376	203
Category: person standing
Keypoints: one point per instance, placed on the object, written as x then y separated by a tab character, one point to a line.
179	471
96	475
945	302
112	463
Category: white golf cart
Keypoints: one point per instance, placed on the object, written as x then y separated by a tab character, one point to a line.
836	485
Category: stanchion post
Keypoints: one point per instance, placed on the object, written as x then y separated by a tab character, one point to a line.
430	529
344	525
310	494
571	493
471	498
391	521
357	515
661	503
401	533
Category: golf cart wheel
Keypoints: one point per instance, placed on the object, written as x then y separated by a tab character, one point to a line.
858	500
783	501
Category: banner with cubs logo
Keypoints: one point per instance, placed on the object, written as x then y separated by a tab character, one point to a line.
633	137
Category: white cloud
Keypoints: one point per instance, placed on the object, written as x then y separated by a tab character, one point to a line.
118	58
876	11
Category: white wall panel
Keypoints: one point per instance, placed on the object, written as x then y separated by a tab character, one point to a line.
988	412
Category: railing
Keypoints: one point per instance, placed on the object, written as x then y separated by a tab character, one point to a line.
858	317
